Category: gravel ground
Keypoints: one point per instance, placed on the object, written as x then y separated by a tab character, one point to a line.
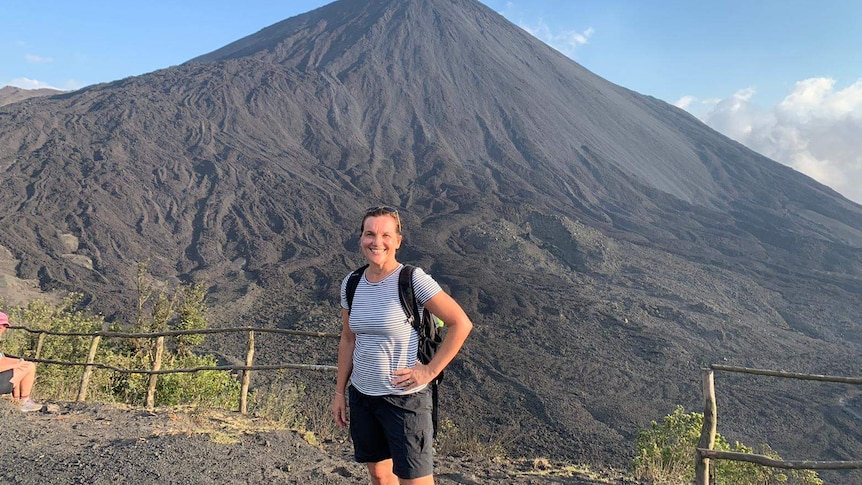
78	443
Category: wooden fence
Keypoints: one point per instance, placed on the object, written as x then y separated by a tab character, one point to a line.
710	419
246	369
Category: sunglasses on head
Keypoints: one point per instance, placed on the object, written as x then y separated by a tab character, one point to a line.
381	209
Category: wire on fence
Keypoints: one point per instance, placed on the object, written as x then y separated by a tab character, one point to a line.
159	336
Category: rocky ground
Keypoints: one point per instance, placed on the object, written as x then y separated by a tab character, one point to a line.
76	443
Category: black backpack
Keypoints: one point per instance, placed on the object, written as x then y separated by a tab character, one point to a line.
430	332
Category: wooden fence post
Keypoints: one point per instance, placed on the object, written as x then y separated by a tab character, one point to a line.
710	423
157	365
40	344
88	370
246	374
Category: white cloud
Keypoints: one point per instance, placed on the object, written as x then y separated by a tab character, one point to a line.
27	83
34	59
816	129
685	102
565	42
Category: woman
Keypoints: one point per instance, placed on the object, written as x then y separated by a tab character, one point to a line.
17	376
390	405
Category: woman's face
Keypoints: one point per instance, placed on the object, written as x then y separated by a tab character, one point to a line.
380	239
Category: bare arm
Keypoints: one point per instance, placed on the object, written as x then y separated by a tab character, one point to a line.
458	326
345	367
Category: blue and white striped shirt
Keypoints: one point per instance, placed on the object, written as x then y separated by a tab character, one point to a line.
385	340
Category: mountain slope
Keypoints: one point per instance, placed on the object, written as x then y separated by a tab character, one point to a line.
12	94
606	244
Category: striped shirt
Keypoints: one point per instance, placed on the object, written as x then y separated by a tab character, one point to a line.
385	340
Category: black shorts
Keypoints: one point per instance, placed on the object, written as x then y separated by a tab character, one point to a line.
6	382
397	427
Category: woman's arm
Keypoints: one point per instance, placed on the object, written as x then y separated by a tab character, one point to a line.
458	326
345	367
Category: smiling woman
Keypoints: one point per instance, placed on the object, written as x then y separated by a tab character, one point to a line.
389	401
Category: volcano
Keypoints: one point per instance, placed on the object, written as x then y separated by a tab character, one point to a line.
607	245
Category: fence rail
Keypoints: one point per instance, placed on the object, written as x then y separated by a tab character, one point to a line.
710	417
246	369
789	375
767	461
174	333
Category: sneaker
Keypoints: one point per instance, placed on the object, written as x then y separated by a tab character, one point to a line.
30	405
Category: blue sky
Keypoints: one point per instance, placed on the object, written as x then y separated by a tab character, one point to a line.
783	77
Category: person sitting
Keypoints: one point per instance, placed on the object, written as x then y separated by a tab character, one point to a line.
17	376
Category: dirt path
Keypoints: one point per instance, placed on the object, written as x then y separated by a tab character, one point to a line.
77	443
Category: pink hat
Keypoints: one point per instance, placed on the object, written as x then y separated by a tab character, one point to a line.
4	320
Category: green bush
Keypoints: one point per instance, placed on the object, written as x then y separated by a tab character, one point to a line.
184	308
158	310
191	316
666	454
54	381
217	389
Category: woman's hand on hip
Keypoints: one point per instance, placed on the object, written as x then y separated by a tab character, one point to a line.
412	377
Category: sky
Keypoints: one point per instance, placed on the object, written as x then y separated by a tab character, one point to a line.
783	77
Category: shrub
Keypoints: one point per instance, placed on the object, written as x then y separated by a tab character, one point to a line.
666	454
279	402
158	308
191	316
54	381
182	309
211	388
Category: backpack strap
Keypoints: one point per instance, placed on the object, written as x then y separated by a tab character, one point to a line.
408	297
352	283
411	307
405	293
435	408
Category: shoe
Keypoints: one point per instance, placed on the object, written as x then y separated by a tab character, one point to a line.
30	406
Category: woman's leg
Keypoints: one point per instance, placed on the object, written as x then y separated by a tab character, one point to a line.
23	377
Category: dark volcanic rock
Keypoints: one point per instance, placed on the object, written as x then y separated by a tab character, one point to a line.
606	244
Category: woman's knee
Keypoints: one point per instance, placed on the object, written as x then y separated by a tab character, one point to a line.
381	472
26	368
